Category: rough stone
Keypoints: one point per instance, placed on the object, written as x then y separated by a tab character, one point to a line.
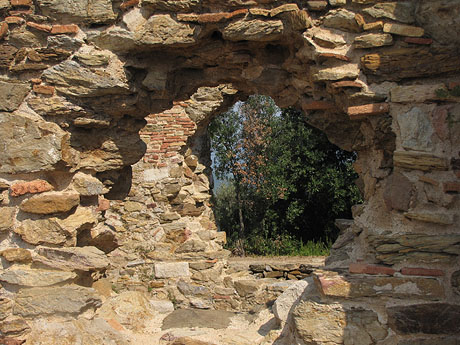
127	307
342	19
433	318
46	231
12	94
88	185
181	318
416	130
7	216
319	323
247	287
419	161
373	40
69	259
403	12
74	79
326	326
398	192
51	202
440	20
415	93
172	270
45	138
455	282
335	73
403	30
68	11
17	255
41	301
284	304
162	29
14	327
428	216
83	331
328	39
333	285
253	30
34	277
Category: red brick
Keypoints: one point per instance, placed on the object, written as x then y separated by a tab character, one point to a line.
43	89
451	187
20	12
127	4
334	56
362	111
439	121
14	20
36	81
417	271
21	2
346	83
64	29
362	268
103	205
318	105
418	40
32	187
3	29
40	27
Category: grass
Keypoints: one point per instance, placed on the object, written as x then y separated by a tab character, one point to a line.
312	248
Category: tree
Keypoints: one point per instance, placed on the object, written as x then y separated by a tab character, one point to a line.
289	183
238	138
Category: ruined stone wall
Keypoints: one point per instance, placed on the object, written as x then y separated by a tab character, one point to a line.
79	77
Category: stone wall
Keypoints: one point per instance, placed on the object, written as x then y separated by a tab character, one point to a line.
79	77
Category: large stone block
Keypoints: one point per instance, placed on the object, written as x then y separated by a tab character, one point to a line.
64	301
74	79
332	323
398	192
69	259
7	215
12	94
287	301
171	269
433	318
416	247
419	161
403	12
51	202
401	63
34	277
416	130
70	11
334	285
253	30
30	145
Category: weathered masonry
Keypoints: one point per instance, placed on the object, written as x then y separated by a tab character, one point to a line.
80	79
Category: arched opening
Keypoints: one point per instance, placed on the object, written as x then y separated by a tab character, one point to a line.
280	184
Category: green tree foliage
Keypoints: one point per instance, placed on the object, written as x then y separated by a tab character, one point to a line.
286	183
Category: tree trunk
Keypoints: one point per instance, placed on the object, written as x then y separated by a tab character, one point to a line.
241	233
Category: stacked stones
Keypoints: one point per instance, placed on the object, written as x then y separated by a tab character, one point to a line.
78	78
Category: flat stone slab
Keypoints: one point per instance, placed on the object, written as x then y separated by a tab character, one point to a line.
188	318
